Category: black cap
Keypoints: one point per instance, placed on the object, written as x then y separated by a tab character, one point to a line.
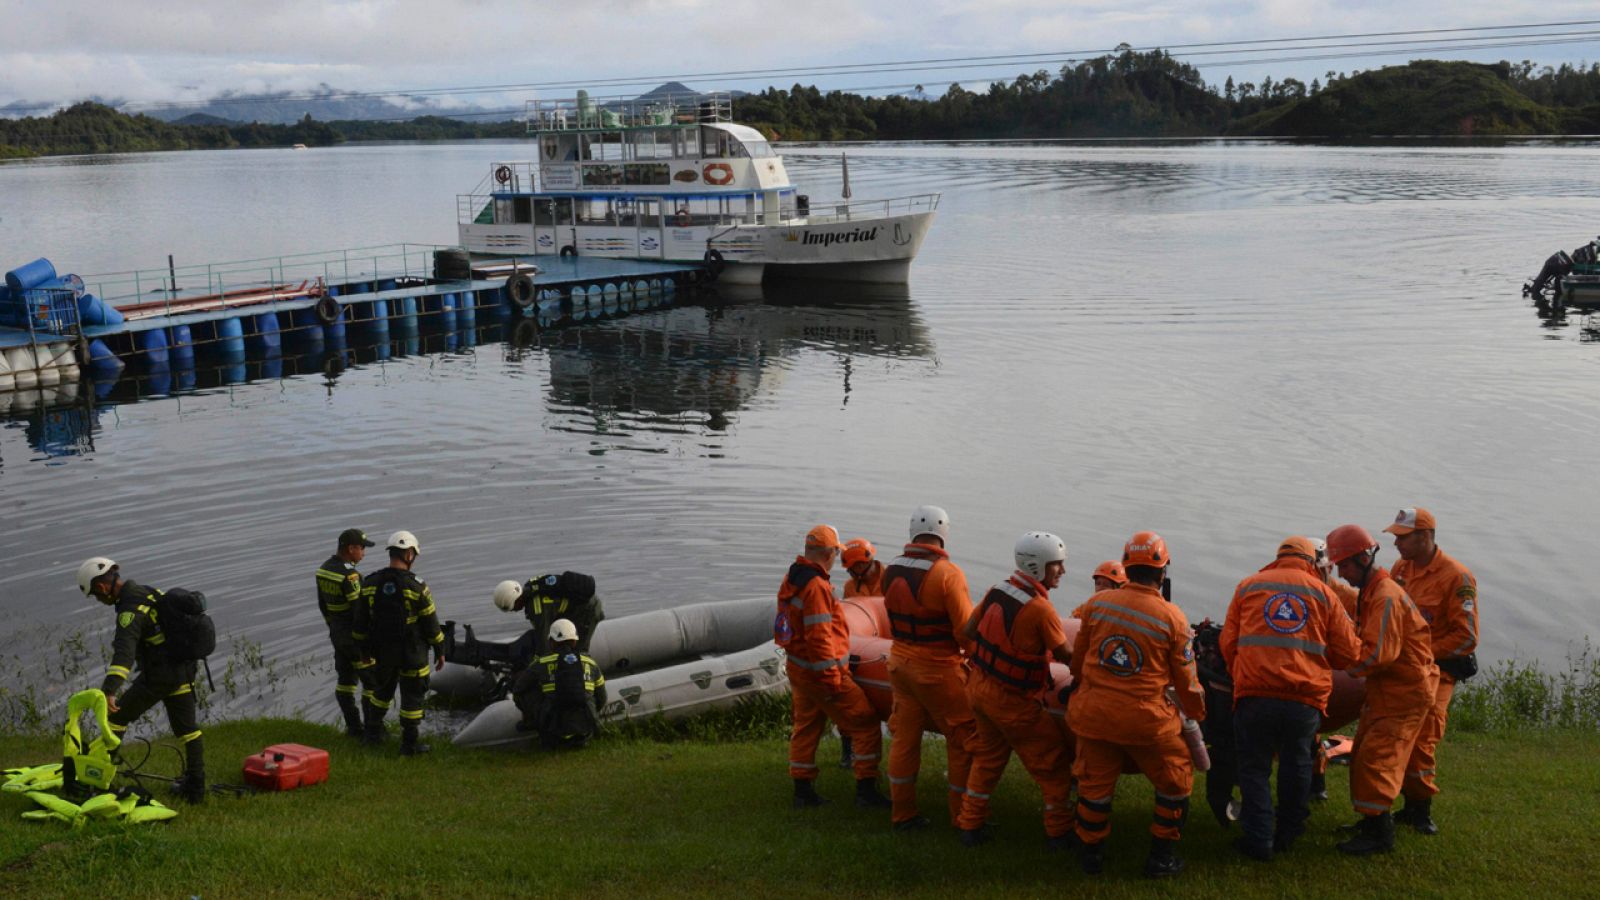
354	536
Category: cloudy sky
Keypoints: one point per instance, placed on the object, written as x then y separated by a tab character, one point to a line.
63	50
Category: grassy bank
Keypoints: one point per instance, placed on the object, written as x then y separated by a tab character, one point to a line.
652	812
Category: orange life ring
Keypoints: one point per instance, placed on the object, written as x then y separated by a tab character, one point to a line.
717	173
502	174
682	218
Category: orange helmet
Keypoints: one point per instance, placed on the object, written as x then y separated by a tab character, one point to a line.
1113	570
858	550
1146	549
1348	540
1298	546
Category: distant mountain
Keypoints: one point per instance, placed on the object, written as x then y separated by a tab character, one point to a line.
203	119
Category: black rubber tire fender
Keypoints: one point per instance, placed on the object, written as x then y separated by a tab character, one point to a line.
520	290
569	250
326	309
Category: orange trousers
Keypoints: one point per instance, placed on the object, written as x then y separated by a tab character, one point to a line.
1099	764
816	701
928	696
1419	782
1383	744
1006	721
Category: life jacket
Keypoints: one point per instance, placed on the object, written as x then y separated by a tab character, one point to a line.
385	592
995	653
87	764
909	619
569	696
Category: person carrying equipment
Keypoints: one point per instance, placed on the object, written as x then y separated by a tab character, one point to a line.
1402	681
562	693
860	559
166	673
1284	635
546	598
1447	596
927	600
338	589
1014	633
1132	660
811	628
395	624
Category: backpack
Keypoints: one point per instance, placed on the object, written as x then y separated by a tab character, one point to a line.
191	635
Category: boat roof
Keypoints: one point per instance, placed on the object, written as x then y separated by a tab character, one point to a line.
744	133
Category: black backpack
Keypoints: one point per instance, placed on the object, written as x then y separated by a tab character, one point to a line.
191	635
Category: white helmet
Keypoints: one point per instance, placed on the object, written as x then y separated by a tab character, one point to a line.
1322	555
403	540
506	594
1038	549
930	520
92	568
563	630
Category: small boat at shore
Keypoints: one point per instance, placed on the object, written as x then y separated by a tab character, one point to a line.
672	177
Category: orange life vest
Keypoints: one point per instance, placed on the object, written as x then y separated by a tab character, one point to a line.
995	653
909	619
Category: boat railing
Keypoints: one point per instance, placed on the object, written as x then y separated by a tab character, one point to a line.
172	284
587	113
847	211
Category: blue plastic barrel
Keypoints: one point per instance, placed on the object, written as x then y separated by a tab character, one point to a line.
159	379
264	334
230	339
94	311
30	275
153	344
102	362
181	347
272	367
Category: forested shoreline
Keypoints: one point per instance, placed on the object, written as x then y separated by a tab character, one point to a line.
1127	94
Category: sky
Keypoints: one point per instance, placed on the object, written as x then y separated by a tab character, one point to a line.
189	50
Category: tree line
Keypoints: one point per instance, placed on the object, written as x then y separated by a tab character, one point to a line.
1123	94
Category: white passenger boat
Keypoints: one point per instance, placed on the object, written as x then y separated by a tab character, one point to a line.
671	177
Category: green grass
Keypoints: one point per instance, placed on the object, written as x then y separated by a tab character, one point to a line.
707	813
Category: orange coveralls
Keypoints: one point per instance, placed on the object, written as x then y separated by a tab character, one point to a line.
1447	596
1017	630
819	675
926	596
1284	635
1397	661
1132	646
869	586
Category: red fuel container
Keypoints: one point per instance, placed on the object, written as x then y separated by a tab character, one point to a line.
284	767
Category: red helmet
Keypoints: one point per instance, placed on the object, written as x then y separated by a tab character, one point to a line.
858	550
1348	540
1113	570
1146	549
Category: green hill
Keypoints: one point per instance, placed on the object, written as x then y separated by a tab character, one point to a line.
1426	97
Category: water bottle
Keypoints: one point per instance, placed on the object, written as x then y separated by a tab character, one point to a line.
1197	744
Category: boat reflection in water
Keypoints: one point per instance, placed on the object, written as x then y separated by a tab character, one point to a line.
689	367
631	367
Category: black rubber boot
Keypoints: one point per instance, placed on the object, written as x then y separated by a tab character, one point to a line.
1061	842
973	837
409	746
1319	786
915	823
1163	859
352	715
1419	815
805	794
1375	835
192	786
372	732
867	796
1091	858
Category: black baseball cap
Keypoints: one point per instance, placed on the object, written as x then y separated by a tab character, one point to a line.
354	536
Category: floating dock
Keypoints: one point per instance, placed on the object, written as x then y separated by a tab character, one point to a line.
55	329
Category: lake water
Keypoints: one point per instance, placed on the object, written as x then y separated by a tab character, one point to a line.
1226	343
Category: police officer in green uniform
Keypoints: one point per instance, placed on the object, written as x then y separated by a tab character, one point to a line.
395	625
546	598
139	644
338	589
562	693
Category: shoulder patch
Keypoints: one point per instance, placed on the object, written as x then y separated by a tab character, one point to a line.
550	580
1467	605
124	619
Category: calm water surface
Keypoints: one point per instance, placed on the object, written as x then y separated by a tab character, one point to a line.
1224	343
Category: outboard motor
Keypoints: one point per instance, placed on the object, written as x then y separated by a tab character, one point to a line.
1555	268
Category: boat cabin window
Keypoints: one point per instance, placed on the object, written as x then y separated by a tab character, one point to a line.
556	211
522	210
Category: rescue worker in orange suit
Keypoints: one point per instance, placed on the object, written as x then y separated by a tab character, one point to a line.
1447	596
1109	575
860	559
1397	662
1346	596
1133	657
1284	635
927	599
1014	634
811	628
